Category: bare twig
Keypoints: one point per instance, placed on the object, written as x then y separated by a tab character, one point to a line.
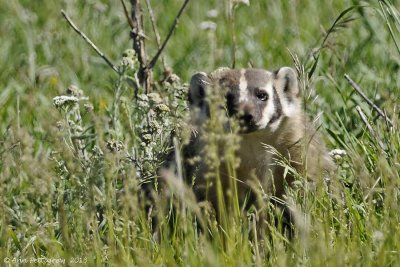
128	18
155	30
372	188
369	127
375	107
101	54
160	50
231	17
139	44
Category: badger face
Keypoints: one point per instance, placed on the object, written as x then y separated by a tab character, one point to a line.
257	98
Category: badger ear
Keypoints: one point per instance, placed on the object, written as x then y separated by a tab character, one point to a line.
218	73
197	88
286	81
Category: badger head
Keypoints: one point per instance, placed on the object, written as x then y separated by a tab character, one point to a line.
257	98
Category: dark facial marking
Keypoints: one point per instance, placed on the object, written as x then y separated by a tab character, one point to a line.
202	91
278	107
231	103
200	94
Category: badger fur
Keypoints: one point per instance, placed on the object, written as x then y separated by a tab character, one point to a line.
268	108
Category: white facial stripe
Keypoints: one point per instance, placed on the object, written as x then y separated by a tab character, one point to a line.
273	126
288	108
269	110
242	86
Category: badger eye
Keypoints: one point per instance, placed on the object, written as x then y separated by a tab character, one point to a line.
262	95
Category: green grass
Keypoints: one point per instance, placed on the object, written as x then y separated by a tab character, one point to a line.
62	168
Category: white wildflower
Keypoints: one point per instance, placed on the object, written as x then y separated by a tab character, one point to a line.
162	108
143	101
147	137
337	154
127	63
155	98
154	125
129	60
64	100
213	13
208	25
114	146
129	53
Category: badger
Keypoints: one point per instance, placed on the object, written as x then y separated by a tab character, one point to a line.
267	107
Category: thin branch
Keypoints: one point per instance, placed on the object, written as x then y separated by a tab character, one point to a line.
372	188
375	107
231	17
369	127
155	30
155	58
137	34
128	18
101	54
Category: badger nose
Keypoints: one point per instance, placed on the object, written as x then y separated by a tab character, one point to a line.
247	118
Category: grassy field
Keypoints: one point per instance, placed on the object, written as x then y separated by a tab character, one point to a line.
70	171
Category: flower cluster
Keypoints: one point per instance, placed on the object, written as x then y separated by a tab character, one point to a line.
65	101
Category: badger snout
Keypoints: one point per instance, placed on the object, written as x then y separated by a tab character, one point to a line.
242	111
247	120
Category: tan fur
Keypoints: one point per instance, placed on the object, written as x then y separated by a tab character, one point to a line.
294	139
